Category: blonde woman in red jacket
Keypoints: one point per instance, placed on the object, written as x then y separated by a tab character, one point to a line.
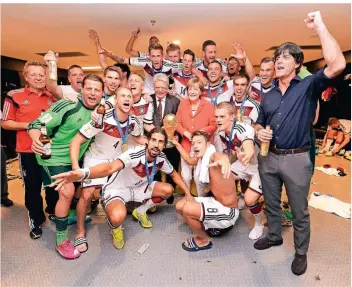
194	114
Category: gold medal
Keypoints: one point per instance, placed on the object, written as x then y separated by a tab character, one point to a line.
149	187
124	147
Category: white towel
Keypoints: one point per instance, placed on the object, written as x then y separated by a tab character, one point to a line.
330	204
328	171
202	170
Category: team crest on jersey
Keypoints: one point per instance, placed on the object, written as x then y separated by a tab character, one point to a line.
46	118
140	168
25	102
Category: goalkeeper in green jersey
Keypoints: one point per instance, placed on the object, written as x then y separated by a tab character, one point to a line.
63	120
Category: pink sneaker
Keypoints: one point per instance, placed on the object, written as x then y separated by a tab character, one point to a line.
67	250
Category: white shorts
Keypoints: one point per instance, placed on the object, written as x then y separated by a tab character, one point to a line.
89	162
249	173
125	194
216	215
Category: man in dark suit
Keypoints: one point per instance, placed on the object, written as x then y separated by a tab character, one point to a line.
162	105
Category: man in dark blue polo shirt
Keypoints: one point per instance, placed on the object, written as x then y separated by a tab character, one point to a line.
289	110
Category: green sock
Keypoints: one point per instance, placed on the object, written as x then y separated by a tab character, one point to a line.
61	229
72	213
74	203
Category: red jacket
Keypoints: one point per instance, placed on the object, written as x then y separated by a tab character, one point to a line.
203	119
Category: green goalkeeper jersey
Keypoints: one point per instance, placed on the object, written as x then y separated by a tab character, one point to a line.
63	120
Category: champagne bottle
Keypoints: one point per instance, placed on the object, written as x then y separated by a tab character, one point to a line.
101	113
264	147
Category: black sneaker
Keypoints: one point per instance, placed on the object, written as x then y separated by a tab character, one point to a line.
170	200
36	232
6	202
299	264
51	217
265	243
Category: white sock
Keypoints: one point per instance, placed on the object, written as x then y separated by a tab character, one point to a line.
241	204
336	145
257	231
328	144
145	206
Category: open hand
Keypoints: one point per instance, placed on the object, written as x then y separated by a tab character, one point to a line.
242	157
240	53
66	177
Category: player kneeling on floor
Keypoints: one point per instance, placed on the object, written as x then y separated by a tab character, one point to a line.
218	212
131	180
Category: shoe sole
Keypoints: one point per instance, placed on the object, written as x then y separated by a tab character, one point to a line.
271	245
67	257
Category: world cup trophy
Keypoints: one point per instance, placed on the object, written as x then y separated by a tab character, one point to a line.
170	125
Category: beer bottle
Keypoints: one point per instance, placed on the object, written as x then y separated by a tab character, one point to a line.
99	124
45	140
264	146
52	71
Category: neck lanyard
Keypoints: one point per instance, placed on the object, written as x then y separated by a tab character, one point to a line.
106	96
151	176
216	96
242	103
157	71
186	76
123	136
230	138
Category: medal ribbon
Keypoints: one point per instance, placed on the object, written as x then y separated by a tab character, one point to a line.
214	101
230	138
123	136
151	176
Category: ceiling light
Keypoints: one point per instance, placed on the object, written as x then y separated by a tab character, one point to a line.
177	42
92	68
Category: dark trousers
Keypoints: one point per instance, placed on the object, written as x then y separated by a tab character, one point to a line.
294	171
173	156
4	186
312	147
31	174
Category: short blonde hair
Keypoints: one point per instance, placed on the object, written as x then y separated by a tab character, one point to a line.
162	78
195	81
227	106
32	63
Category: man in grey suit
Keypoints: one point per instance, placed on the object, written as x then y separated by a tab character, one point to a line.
162	105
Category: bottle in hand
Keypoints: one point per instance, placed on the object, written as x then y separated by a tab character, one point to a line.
45	140
52	70
99	124
264	147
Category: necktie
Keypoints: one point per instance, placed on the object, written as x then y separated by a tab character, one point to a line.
160	110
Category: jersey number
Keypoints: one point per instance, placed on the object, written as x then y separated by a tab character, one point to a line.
212	210
115	145
183	91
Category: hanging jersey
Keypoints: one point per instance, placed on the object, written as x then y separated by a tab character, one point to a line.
201	67
250	110
223	89
108	142
258	90
181	81
133	174
168	68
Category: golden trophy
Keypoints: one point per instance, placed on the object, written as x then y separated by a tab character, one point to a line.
170	124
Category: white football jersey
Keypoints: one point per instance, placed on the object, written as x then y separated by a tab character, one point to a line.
167	68
134	172
250	109
200	66
108	142
256	87
181	81
223	89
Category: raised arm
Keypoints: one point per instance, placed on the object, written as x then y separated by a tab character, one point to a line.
333	56
240	54
95	38
129	48
51	85
107	53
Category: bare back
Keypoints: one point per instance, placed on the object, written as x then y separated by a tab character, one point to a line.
224	189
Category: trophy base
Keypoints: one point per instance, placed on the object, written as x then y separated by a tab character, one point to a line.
169	145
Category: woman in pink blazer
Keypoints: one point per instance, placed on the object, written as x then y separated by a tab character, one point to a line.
194	114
